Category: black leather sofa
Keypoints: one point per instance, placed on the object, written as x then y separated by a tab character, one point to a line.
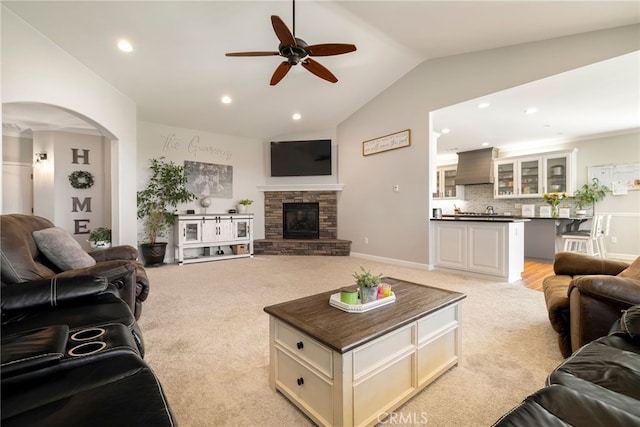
72	355
598	385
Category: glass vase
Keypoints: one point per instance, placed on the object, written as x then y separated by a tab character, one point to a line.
554	212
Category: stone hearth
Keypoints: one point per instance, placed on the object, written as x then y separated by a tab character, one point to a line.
327	244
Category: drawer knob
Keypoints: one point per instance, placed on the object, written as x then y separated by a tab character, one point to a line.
300	345
300	381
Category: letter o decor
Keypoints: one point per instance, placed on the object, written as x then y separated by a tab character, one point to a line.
81	179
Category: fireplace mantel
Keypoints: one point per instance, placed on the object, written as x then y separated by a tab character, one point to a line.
301	187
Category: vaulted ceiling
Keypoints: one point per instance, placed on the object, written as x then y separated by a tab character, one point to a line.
178	70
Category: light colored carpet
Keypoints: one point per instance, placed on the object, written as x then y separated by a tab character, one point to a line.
206	337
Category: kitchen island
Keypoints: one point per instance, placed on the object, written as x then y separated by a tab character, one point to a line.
491	245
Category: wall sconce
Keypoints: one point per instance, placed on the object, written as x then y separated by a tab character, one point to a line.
41	156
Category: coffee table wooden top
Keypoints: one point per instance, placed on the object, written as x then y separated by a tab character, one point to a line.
344	331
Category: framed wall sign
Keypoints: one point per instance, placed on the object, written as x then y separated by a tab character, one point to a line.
388	142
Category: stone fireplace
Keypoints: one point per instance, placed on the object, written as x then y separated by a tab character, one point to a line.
324	240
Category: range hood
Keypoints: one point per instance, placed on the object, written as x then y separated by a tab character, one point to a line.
476	167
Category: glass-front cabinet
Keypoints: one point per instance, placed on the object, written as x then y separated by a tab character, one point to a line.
532	176
446	183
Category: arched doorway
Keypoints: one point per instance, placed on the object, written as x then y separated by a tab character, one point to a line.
53	144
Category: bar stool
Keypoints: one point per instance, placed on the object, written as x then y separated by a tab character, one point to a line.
602	238
585	241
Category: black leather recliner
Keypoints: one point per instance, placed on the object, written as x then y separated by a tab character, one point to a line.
72	355
78	302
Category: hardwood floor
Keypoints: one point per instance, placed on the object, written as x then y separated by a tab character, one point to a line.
534	274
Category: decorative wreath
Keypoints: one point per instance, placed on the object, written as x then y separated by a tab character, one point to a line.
81	179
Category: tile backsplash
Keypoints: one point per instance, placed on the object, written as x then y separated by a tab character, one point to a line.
478	197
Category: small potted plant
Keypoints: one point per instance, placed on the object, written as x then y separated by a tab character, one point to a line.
368	284
100	238
243	205
589	194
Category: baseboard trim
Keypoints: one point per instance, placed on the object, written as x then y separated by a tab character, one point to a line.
393	261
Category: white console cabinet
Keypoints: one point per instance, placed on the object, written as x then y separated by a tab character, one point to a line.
213	237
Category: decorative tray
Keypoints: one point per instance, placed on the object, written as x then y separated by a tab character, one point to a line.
360	308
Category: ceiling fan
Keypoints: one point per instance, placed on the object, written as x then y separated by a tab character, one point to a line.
297	51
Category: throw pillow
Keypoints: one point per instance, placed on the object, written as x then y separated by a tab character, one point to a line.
633	271
61	249
630	322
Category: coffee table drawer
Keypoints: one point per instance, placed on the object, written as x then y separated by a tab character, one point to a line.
311	391
435	323
437	355
306	348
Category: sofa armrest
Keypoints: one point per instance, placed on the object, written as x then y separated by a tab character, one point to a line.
597	303
50	292
615	289
33	349
573	264
124	252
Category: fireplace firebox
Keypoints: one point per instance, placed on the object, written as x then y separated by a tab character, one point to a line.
300	221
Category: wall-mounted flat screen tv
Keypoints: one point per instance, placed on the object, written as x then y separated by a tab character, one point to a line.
301	158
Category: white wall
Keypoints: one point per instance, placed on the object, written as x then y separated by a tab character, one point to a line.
625	209
396	223
179	144
36	70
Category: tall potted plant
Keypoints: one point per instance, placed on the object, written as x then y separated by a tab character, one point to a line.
157	204
589	194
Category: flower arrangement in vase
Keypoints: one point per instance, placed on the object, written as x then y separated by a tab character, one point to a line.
554	199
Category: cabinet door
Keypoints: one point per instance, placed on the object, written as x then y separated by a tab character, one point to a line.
505	180
209	229
191	232
225	229
451	239
559	173
530	177
487	249
241	228
449	183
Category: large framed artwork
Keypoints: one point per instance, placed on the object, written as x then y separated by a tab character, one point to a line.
209	179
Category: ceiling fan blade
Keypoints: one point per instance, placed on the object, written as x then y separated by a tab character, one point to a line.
280	72
319	70
282	31
328	49
252	54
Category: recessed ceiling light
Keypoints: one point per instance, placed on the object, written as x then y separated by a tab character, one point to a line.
531	110
483	105
226	99
296	116
484	144
446	130
125	46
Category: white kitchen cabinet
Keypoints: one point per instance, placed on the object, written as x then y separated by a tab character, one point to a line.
532	176
493	248
446	184
212	237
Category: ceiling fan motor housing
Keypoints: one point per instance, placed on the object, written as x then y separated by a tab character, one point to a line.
294	54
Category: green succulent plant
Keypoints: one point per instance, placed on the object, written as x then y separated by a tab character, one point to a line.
366	279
